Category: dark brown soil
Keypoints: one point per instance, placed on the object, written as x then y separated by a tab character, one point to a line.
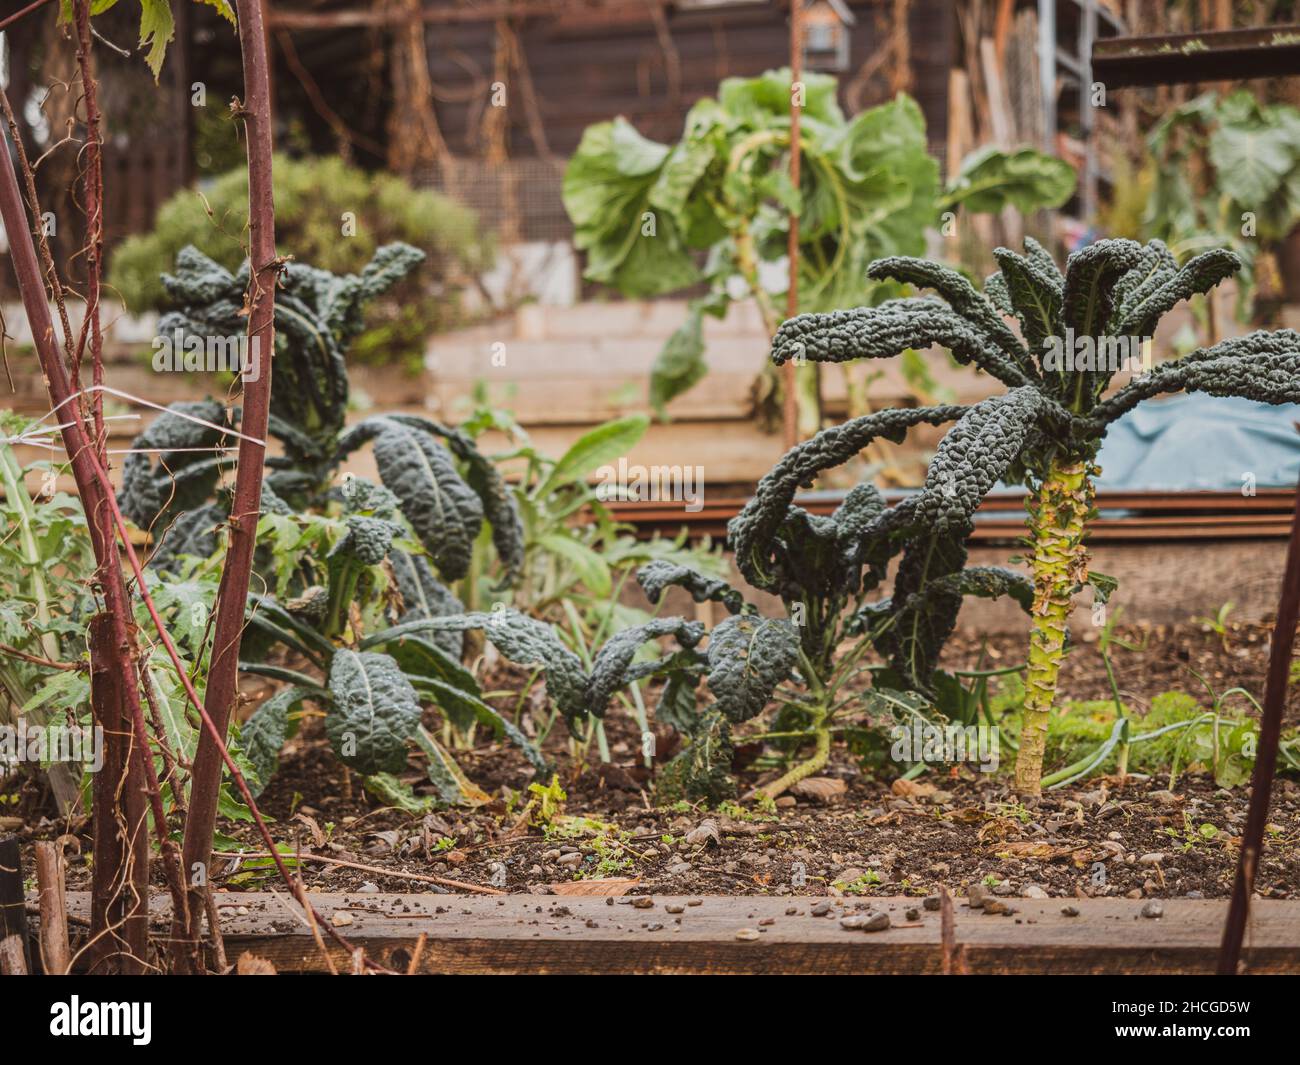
1102	837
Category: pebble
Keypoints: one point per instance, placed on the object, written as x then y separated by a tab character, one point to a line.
931	902
369	888
996	906
340	919
913	914
572	860
1164	797
747	934
1153	908
1195	895
1154	858
679	868
977	896
643	902
853	921
1004	888
876	922
1033	891
821	909
1070	911
694	902
674	907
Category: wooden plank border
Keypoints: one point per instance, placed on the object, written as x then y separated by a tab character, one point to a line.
521	934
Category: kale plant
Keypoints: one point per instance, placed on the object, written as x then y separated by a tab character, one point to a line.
1044	431
337	558
810	662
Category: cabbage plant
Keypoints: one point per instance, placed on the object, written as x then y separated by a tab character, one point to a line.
1045	430
714	207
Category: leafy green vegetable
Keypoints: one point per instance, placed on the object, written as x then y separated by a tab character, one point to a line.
1044	431
373	712
868	188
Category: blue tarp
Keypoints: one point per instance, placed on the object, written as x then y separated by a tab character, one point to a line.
1201	443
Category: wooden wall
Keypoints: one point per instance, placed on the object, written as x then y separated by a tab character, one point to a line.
586	69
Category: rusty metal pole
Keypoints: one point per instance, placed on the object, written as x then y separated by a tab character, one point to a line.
790	404
1270	733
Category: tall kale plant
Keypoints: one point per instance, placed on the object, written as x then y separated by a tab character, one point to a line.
1045	430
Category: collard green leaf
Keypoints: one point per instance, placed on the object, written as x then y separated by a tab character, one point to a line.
680	364
374	711
606	191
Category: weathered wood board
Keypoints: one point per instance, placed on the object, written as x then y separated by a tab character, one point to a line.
553	934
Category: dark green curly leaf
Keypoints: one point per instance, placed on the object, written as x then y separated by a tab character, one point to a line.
171	468
521	639
263	735
424	596
610	666
654	577
444	511
749	657
375	710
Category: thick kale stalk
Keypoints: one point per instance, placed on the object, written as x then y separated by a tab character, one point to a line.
223	673
1044	432
1059	561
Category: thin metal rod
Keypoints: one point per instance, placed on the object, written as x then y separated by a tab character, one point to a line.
1270	733
790	399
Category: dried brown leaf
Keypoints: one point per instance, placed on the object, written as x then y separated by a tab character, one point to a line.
601	887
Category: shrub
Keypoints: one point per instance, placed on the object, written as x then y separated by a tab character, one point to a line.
313	200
